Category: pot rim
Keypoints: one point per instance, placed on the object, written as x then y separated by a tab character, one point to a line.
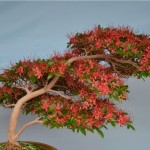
37	143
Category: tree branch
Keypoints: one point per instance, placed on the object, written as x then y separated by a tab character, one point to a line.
114	67
102	56
34	88
36	121
52	83
9	105
61	86
62	95
128	61
25	88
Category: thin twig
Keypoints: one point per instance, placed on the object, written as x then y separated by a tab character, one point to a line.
9	105
61	86
114	67
25	88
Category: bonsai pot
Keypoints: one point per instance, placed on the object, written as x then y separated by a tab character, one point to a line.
29	145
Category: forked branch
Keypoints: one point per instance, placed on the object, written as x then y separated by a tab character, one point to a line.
36	121
25	88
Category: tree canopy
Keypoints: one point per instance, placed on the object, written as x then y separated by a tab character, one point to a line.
90	74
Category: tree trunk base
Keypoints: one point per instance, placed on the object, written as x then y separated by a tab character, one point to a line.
13	146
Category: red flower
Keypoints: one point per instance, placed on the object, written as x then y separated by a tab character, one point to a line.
20	70
58	109
37	72
60	120
109	116
51	116
85	105
62	68
97	113
45	106
123	120
98	44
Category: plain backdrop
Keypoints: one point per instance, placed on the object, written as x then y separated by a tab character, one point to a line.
36	29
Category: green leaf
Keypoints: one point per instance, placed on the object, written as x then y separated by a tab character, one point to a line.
97	92
138	55
52	106
99	27
49	76
129	46
113	123
132	127
89	81
39	60
73	130
71	119
5	96
50	63
75	93
92	88
143	74
57	74
91	130
83	131
115	97
119	51
128	53
33	79
100	132
105	127
124	87
129	126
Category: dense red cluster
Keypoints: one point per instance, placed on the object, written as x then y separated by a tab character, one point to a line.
121	42
31	73
110	38
145	60
99	78
9	95
29	69
71	113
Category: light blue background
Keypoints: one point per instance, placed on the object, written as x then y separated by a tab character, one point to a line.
38	28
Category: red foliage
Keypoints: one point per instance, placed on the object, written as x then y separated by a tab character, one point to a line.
61	112
90	74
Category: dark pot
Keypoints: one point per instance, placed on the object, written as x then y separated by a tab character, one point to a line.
42	146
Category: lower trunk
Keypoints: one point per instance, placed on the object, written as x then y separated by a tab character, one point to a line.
12	146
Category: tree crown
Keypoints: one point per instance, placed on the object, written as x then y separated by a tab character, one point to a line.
90	75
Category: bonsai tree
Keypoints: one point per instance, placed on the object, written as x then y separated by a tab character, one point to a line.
77	89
